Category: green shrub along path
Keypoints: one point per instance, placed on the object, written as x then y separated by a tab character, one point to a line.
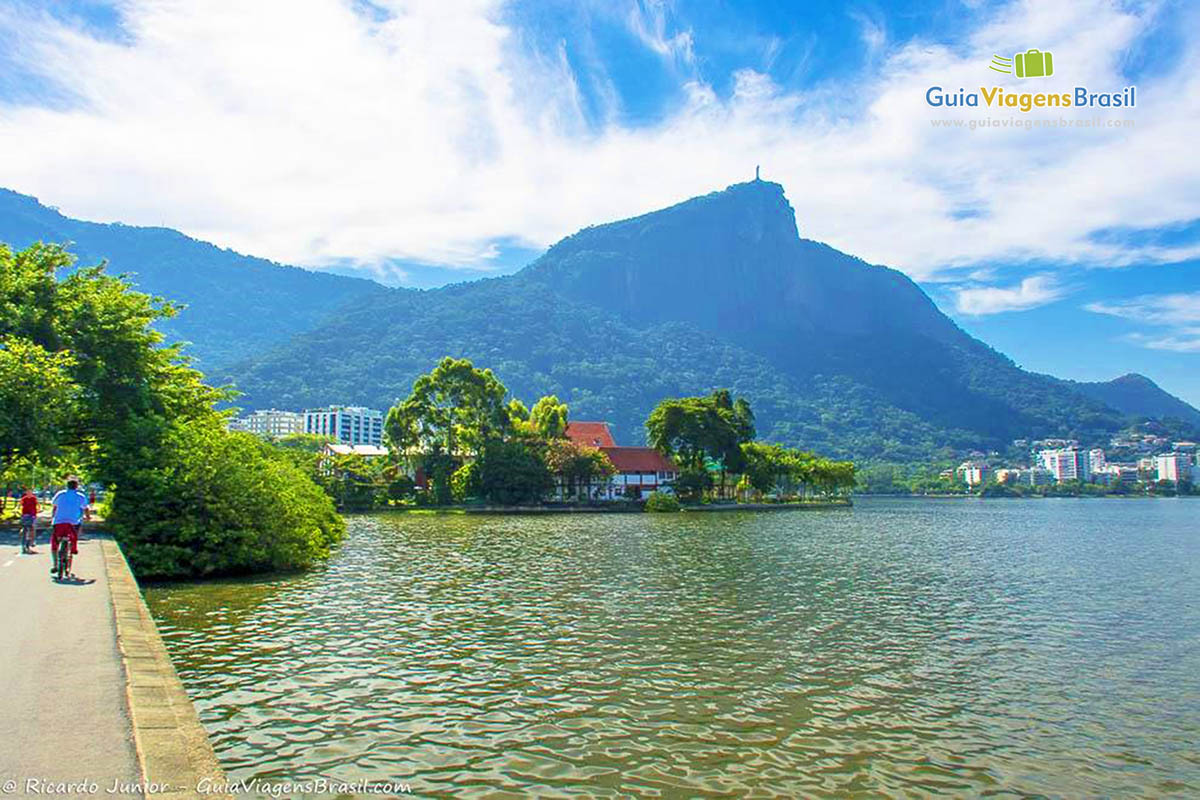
89	386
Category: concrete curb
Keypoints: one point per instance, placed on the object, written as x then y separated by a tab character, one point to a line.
173	750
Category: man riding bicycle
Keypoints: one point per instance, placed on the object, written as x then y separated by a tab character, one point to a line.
29	512
70	508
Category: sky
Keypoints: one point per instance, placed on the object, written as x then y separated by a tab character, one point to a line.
432	141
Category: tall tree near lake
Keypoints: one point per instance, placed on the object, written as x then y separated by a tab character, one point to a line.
696	430
37	399
548	417
86	375
454	409
579	465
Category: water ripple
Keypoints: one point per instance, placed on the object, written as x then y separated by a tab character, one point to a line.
955	648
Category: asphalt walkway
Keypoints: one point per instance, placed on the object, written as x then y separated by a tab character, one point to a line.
64	716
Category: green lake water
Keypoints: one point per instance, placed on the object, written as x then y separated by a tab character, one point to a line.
902	647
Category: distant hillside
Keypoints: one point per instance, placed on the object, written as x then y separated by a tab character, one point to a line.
236	305
719	291
1138	396
834	353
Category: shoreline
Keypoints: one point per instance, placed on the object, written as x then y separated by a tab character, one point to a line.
902	496
616	509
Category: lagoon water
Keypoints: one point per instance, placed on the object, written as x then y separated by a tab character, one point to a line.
1011	647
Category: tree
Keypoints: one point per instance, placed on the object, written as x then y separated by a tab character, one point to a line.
450	414
213	502
767	465
513	473
579	465
465	482
454	409
695	430
190	497
37	400
693	482
355	483
548	418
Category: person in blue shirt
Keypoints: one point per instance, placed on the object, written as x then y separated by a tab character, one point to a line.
69	510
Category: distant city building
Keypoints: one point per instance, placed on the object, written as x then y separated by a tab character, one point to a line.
973	473
1113	474
270	422
347	424
1008	476
1056	444
330	451
1024	477
1174	467
1096	460
1037	476
1067	464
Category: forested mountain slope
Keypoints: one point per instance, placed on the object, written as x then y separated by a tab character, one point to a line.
236	305
834	353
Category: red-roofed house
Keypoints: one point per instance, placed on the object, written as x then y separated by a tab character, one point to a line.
592	434
640	471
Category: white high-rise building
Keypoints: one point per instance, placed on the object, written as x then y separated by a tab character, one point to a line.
270	422
1067	464
347	424
1174	467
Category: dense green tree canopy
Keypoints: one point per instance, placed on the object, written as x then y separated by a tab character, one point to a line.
513	473
86	373
548	418
696	429
579	465
454	409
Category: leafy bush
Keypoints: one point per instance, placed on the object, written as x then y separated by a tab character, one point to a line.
512	473
693	482
211	502
662	503
464	483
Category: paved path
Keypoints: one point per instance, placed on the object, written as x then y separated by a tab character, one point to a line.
63	709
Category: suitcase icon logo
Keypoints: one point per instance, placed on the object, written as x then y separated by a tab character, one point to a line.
1032	63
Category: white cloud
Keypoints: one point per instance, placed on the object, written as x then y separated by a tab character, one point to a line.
1034	291
1185	340
1157	309
310	134
1179	311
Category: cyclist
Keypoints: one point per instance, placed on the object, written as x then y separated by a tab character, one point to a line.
29	512
70	508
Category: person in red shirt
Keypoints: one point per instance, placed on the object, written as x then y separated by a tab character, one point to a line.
29	512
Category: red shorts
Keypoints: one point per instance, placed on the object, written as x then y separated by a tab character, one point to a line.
62	529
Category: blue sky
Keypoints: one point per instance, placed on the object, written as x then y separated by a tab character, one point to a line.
429	141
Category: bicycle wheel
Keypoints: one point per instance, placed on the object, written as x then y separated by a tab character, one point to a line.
64	557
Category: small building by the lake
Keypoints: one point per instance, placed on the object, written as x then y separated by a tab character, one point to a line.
640	470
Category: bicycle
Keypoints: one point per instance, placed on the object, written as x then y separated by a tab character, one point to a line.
62	562
28	535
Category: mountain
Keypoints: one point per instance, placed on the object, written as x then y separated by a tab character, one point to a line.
1138	396
834	353
237	305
